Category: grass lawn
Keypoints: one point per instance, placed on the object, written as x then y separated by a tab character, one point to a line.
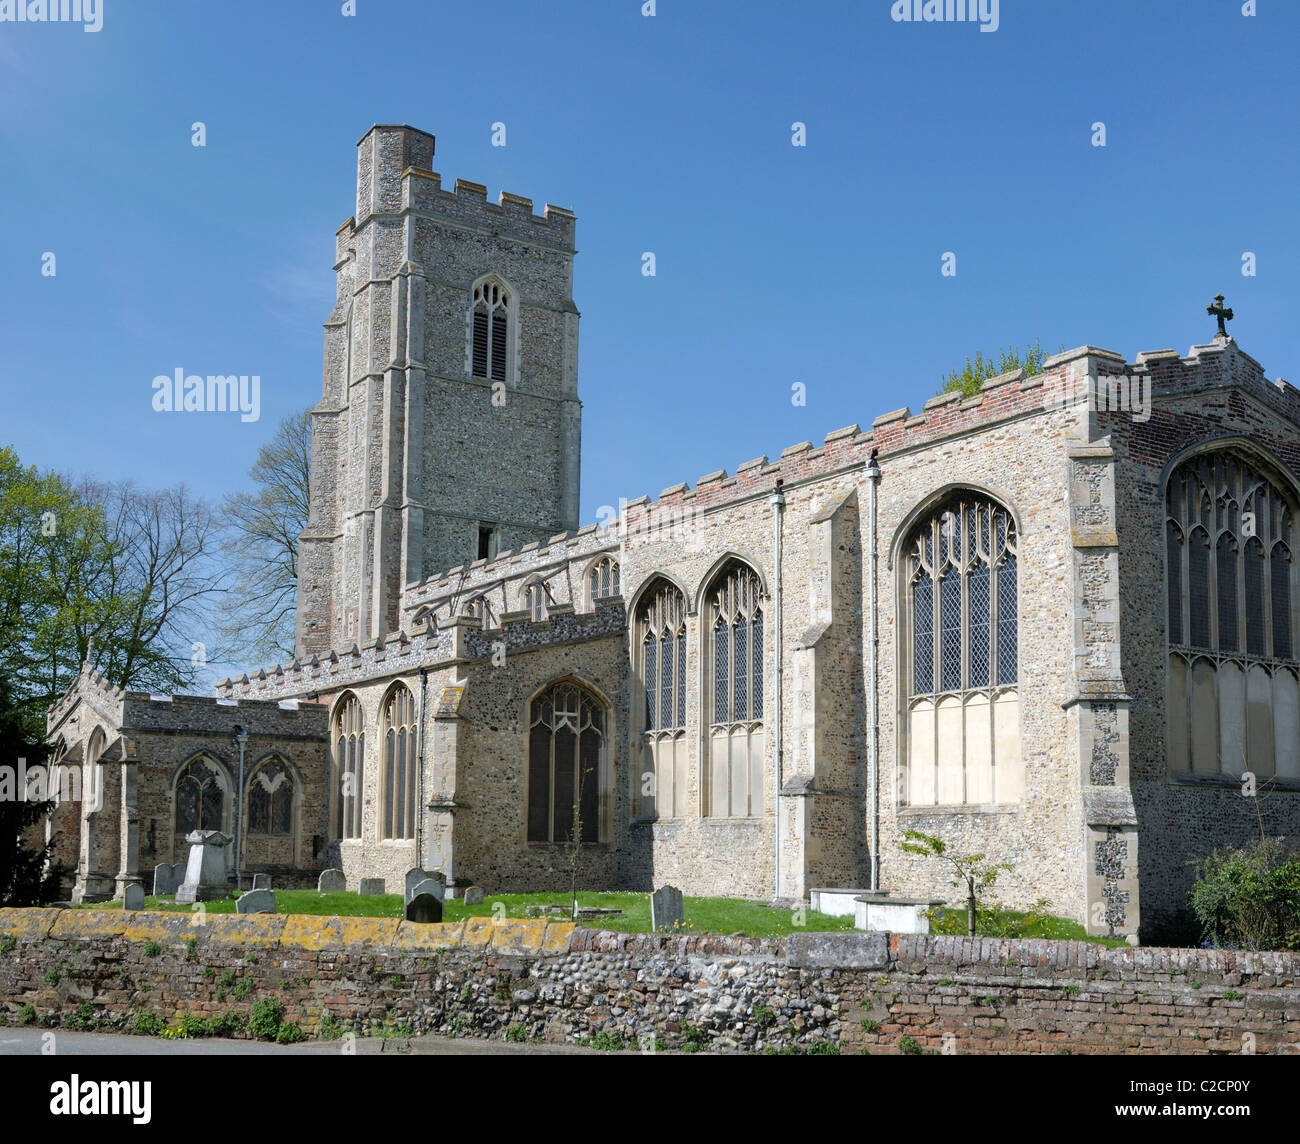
703	915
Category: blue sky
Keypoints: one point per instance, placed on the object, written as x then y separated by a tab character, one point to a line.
775	264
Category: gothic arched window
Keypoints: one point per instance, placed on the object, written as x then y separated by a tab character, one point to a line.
535	601
961	656
200	796
661	662
604	578
735	626
566	746
1233	698
491	334
270	799
479	608
349	740
400	795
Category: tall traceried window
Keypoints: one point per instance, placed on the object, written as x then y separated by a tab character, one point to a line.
961	656
270	799
661	629
200	796
1233	701
735	696
349	740
566	747
400	794
604	578
491	332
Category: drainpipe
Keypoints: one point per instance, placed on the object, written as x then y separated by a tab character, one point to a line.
873	657
777	501
419	772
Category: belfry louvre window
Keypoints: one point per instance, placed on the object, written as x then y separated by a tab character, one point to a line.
566	744
962	658
736	712
400	795
491	331
1233	700
661	626
349	740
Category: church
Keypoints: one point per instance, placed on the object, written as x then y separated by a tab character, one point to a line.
1056	622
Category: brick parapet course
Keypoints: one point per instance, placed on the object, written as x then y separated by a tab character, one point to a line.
872	993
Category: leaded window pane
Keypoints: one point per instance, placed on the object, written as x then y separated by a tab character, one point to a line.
1008	667
187	806
950	631
1256	628
666	693
923	635
721	673
980	619
1280	577
1174	571
741	709
651	684
1226	559
1198	577
758	665
681	679
210	806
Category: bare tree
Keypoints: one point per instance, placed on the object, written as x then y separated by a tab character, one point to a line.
260	545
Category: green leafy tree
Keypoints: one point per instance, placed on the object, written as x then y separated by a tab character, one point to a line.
24	855
970	380
973	872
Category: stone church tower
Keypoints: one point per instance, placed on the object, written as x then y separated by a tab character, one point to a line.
449	424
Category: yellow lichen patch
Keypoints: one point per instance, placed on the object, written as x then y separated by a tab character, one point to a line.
28	925
412	937
312	932
73	924
478	932
165	928
259	930
558	936
518	935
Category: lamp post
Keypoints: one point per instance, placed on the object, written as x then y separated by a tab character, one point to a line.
240	741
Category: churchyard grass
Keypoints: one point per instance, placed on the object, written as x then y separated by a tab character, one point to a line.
703	915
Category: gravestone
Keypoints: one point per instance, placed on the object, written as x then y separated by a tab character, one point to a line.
473	895
331	882
666	911
423	907
371	886
167	877
429	886
256	902
261	881
133	898
205	872
414	876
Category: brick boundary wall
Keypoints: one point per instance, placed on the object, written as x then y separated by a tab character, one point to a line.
858	992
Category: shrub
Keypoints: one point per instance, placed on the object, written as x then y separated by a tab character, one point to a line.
244	990
147	1025
608	1042
288	1034
191	948
910	1047
823	1049
265	1017
763	1016
192	1025
27	1015
870	1026
83	1017
331	1028
208	973
152	949
228	978
692	1039
53	977
1249	897
516	1034
7	942
226	1024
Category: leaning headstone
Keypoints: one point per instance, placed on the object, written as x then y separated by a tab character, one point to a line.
133	899
205	873
423	907
371	886
666	911
429	886
261	881
256	902
414	876
331	882
473	895
164	880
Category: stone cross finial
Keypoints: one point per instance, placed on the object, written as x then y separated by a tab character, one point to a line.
1218	311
